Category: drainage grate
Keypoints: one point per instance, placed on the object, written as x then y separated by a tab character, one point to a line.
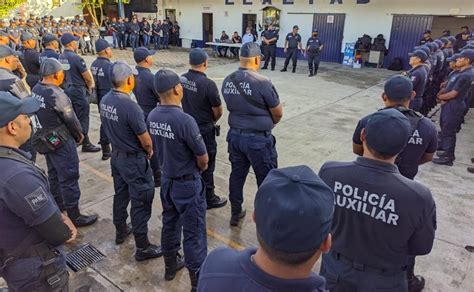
84	256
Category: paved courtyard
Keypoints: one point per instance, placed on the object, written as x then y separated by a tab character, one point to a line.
320	115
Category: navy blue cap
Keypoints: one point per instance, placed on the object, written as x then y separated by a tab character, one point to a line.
6	51
419	54
424	48
250	50
67	38
50	66
48	38
142	53
101	45
439	43
26	36
468	47
469	54
444	40
435	46
453	58
387	132
398	87
452	39
293	210
120	71
166	79
11	107
197	56
315	30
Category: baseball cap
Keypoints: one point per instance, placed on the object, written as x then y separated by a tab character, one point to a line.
120	71
424	48
434	46
419	54
439	43
444	40
453	58
101	45
166	79
315	30
469	54
427	31
48	38
468	47
11	107
26	36
67	38
293	209
6	51
197	56
387	131
452	39
250	50
49	66
398	87
142	53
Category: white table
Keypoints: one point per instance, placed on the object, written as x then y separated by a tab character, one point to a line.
216	46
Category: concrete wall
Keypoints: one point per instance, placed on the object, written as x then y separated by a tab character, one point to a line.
68	8
373	18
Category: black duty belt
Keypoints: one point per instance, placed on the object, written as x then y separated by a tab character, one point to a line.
187	177
127	154
251	132
364	267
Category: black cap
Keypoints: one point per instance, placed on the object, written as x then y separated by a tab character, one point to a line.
50	66
419	54
424	48
142	53
166	79
398	88
452	39
197	56
250	50
101	45
315	30
68	38
296	27
12	106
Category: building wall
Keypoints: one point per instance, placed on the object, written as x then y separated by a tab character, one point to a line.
373	18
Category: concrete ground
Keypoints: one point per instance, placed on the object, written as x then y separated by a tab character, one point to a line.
320	114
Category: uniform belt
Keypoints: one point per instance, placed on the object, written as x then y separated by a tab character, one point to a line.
364	267
205	125
251	132
187	177
128	154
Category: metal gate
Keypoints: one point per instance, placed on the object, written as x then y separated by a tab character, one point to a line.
407	31
331	33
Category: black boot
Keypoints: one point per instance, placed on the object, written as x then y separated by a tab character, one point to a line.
236	216
80	220
415	283
87	145
311	73
214	201
194	277
106	152
157	178
283	70
294	70
444	160
146	250
173	263
122	232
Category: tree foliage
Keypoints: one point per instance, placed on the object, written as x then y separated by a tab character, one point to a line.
95	10
6	6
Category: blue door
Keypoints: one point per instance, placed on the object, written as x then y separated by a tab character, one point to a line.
331	33
407	31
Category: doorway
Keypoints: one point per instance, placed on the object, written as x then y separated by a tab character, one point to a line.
249	20
170	14
207	27
331	33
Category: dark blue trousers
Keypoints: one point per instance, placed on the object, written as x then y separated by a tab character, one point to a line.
165	39
103	140
63	172
157	41
80	104
291	54
209	136
245	150
133	181
184	210
342	276
452	114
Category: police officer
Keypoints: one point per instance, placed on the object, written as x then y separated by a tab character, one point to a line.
165	29
453	106
77	32
156	30
287	240
80	83
125	126
121	29
182	155
100	71
426	38
134	34
418	75
314	46
371	194
15	34
146	96
33	229
254	109
51	47
94	35
114	30
9	81
292	45
270	39
59	132
4	38
30	58
201	100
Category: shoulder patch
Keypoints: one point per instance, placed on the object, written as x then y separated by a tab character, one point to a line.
198	137
37	199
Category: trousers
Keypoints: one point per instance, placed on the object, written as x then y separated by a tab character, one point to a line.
209	136
313	62
451	118
291	54
270	54
80	104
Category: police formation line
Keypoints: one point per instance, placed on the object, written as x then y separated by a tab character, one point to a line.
367	232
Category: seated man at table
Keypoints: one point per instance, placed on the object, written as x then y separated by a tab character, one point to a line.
236	39
224	39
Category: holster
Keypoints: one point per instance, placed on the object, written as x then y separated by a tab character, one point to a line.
47	140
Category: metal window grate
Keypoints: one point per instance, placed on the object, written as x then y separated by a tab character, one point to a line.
83	257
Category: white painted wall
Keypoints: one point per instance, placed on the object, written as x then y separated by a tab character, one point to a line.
373	18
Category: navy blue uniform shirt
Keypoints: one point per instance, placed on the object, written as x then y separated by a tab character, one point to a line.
134	29
31	61
77	67
461	82
176	139
7	79
100	72
380	216
419	78
293	40
123	121
313	44
200	96
25	202
243	115
269	34
144	91
424	139
48	53
230	270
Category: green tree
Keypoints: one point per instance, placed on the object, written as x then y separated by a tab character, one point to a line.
95	10
6	6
